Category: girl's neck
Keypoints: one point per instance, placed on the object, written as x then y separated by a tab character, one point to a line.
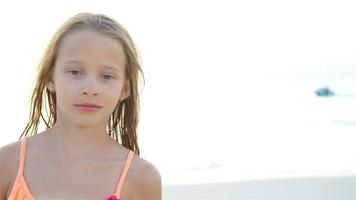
74	142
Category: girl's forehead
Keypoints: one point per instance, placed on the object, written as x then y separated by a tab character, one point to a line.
91	46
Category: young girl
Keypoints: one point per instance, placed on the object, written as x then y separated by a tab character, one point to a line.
88	77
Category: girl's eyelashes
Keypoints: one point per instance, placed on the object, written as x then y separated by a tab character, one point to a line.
109	77
104	76
75	72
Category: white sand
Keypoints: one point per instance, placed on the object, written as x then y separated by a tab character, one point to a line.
331	188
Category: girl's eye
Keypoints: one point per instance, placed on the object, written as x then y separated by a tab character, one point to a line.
74	72
108	77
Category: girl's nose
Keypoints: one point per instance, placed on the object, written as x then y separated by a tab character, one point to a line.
89	87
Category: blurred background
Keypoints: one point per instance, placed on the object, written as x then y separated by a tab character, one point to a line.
235	90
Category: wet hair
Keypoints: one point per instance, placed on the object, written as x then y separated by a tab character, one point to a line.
122	125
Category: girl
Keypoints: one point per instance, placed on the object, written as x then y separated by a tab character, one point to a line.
88	77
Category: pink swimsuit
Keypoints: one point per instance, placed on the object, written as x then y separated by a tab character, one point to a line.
21	191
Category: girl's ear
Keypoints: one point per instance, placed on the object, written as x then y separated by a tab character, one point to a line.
125	92
50	86
49	81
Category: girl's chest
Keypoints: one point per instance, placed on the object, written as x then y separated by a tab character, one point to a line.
56	179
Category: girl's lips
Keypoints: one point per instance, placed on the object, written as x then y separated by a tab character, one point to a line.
88	107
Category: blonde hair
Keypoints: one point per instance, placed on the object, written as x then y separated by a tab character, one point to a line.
124	119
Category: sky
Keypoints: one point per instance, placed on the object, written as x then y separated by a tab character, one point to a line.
212	69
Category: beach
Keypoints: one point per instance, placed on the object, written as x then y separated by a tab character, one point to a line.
306	188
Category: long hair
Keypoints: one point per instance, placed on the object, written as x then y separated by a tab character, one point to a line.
122	125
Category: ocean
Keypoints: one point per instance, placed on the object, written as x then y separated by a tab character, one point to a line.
269	128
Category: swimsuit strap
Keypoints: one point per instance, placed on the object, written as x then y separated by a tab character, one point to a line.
124	173
22	155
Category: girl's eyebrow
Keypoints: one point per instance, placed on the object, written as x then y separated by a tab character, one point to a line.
73	61
105	66
111	67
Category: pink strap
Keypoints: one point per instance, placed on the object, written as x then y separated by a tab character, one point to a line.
124	173
22	155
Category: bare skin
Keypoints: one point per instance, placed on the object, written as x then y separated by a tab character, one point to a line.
76	159
92	177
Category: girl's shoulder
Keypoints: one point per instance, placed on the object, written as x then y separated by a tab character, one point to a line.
146	179
145	168
9	151
10	156
9	162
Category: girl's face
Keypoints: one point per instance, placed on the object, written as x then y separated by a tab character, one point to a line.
89	71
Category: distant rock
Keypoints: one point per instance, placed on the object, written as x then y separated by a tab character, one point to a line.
324	92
